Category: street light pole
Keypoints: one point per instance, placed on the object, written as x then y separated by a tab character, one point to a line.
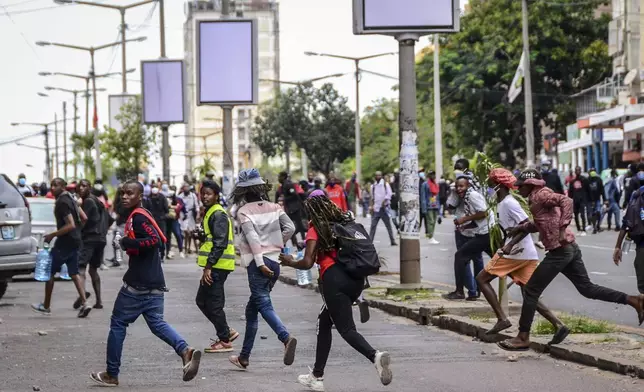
165	132
438	120
527	82
123	52
65	138
97	142
228	128
56	162
47	161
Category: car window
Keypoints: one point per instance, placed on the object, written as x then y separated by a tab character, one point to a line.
42	212
9	195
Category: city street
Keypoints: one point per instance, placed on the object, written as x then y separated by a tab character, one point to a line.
438	266
423	357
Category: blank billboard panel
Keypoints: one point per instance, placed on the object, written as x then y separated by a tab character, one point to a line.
227	62
162	91
405	16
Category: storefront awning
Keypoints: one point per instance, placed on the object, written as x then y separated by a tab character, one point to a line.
612	118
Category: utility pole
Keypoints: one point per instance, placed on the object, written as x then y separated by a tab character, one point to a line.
47	161
358	143
75	130
438	120
165	133
409	201
97	141
65	138
227	183
56	158
123	52
527	83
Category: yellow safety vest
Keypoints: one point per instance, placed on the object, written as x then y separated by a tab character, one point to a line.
227	260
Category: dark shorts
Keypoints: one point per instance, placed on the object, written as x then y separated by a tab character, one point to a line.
60	256
91	254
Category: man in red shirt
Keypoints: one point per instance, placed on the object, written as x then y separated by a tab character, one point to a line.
352	189
552	213
336	193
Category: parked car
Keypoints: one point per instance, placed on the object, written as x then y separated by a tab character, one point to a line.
17	246
43	220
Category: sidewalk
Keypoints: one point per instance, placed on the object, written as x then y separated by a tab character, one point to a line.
619	351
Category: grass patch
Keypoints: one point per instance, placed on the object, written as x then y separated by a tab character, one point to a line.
482	317
411	295
577	324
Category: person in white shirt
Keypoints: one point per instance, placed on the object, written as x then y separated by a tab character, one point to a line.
518	258
380	204
23	188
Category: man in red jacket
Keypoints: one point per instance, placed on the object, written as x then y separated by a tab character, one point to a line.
336	193
352	189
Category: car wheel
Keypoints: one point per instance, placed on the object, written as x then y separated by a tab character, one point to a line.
3	287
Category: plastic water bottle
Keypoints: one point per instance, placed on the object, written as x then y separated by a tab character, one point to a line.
118	252
43	264
304	277
64	274
626	245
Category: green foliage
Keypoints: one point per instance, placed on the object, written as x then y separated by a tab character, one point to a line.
206	165
567	53
316	120
577	324
83	155
133	147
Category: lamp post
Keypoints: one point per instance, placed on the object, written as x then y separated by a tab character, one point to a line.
303	82
356	61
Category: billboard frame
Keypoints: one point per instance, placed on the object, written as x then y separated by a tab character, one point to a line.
360	29
183	92
254	57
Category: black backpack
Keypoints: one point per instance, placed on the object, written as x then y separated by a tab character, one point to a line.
356	253
633	217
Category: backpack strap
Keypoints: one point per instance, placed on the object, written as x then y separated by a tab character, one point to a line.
145	213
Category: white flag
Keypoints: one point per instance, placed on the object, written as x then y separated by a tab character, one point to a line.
517	81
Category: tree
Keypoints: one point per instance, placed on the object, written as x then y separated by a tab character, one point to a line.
133	147
85	144
568	53
316	120
206	166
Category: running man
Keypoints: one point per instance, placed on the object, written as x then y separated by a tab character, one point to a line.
65	251
339	292
142	292
552	214
518	258
266	228
217	258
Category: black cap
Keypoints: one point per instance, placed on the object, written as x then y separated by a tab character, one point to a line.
528	174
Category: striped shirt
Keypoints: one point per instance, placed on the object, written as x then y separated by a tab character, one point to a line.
265	228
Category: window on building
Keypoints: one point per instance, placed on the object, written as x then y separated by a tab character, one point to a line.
242	134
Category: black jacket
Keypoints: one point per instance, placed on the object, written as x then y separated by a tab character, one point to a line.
144	269
553	181
158	207
92	231
218	224
578	190
595	189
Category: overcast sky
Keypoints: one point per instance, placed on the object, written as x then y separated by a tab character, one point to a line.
322	26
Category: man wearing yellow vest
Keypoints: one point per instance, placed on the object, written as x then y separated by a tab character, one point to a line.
217	257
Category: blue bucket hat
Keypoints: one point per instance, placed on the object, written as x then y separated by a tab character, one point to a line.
249	177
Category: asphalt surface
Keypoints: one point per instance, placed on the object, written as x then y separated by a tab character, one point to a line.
424	358
437	265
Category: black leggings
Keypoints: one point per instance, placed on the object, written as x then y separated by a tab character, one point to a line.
298	221
340	291
579	208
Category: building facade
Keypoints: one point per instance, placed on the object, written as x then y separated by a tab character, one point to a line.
204	124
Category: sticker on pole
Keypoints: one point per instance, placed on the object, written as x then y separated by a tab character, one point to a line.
394	17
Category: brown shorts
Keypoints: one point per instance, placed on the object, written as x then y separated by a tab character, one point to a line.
519	270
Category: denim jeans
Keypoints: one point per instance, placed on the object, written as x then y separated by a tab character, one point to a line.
469	250
260	303
613	210
173	227
127	308
375	218
469	279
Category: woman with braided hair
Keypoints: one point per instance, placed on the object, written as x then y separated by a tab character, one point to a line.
339	291
518	258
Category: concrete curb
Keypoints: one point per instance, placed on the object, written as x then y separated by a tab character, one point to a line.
466	326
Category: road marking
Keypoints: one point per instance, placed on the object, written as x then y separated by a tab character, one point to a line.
599	273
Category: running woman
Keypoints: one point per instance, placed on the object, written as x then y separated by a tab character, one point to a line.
142	292
265	229
339	292
518	258
217	258
552	213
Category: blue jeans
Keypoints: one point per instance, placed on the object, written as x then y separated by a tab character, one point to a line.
260	303
613	210
127	308
469	279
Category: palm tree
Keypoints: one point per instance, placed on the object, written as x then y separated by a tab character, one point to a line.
206	166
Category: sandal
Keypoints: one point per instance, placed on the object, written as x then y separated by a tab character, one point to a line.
238	362
191	368
77	304
500	325
559	336
99	379
507	346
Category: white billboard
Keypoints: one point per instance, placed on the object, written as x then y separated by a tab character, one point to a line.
405	16
227	66
115	104
162	91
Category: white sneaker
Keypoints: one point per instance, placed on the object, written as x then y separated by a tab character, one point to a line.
170	255
182	255
312	382
104	267
583	234
382	362
588	228
432	241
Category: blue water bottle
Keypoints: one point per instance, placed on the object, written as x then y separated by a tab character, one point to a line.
43	264
64	273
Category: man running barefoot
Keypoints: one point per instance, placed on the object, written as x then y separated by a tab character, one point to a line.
552	214
142	291
518	258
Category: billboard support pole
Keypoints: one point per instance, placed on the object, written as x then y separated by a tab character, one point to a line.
165	131
227	181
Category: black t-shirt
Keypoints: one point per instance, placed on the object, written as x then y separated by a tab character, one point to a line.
66	205
144	269
92	230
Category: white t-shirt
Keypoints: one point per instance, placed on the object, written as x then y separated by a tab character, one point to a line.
510	215
476	203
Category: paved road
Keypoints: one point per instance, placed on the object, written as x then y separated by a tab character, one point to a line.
424	358
437	266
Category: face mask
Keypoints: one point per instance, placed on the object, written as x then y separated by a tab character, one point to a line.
22	182
186	192
593	174
164	187
98	187
155	191
640	176
421	175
